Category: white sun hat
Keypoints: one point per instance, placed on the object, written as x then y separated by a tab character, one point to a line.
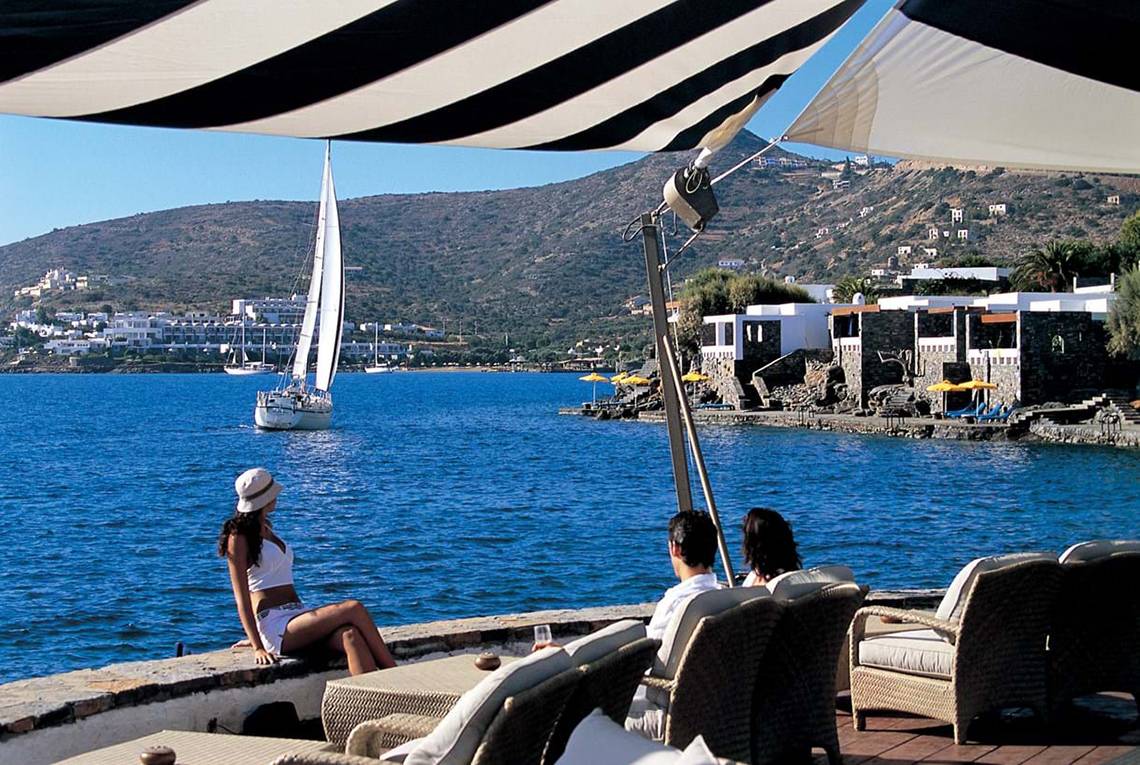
255	489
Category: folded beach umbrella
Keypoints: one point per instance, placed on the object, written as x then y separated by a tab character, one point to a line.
647	75
1049	84
694	376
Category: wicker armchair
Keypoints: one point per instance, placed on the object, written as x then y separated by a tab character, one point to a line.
607	684
715	679
793	708
1094	642
517	735
993	656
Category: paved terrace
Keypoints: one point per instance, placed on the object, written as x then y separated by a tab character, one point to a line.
137	698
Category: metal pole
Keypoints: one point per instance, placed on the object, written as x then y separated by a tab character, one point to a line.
670	398
699	461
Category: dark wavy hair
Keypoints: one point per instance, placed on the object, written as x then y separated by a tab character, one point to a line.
247	525
769	547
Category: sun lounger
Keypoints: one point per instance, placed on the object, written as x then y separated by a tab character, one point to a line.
970	411
983	650
997	414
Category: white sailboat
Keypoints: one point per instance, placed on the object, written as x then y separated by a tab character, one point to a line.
243	366
294	404
376	368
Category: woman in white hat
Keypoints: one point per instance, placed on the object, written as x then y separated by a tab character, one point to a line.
261	572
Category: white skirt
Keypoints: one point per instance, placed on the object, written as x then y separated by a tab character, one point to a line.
271	624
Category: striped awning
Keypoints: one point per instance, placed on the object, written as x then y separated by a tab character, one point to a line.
649	75
1051	84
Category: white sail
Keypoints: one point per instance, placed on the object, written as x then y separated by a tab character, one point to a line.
332	285
309	323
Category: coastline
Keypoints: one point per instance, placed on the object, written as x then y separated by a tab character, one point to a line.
187	367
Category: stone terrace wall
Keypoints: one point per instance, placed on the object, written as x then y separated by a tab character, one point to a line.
886	331
1060	353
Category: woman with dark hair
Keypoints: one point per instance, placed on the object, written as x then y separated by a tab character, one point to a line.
769	547
261	573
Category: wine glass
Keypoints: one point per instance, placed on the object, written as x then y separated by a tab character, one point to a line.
542	634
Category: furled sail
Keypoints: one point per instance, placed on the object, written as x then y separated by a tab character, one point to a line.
646	75
332	284
312	301
1050	84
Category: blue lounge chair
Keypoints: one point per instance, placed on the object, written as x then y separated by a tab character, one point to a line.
970	411
1001	416
992	414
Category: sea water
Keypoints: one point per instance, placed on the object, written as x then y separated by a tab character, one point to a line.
445	495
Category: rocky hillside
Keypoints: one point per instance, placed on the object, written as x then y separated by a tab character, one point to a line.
548	263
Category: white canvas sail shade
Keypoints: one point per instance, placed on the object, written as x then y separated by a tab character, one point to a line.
645	75
1050	84
312	300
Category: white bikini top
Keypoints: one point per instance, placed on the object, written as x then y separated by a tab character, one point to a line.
274	570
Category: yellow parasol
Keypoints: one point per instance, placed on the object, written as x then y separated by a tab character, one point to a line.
635	380
594	378
694	376
944	387
618	378
978	385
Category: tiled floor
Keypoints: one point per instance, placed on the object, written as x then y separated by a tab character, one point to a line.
1098	730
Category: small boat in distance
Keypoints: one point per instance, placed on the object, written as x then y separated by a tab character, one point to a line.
376	368
294	404
245	367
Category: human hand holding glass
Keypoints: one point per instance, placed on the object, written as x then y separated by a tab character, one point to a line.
542	637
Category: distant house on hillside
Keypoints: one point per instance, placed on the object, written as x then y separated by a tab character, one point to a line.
932	235
904	249
863	213
963	233
957	214
997	209
732	264
1113	199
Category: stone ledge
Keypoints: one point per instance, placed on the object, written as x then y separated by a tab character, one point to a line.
44	702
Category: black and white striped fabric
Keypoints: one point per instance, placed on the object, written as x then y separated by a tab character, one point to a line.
1050	84
647	75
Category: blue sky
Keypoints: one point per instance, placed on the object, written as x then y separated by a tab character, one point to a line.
55	174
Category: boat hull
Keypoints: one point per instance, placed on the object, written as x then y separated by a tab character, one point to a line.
246	371
292	410
378	370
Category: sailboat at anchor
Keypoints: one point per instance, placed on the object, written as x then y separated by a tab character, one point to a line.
295	404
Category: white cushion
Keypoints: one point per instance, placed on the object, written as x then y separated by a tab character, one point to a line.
681	628
916	652
646	718
794	584
954	600
458	734
598	740
697	753
605	641
1100	548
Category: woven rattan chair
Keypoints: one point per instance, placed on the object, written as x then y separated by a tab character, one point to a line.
517	735
994	653
715	679
607	684
793	708
1094	641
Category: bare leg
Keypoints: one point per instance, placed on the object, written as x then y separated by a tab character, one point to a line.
315	625
351	643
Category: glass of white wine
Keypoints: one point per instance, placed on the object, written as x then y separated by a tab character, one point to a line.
542	634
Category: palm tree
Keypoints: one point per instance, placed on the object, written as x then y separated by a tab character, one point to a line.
1050	266
846	288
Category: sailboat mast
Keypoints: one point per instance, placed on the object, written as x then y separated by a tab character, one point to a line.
309	322
332	285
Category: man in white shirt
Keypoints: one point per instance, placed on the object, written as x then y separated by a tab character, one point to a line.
692	547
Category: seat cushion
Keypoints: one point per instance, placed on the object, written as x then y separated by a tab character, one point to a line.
646	718
915	652
954	600
455	739
1100	548
797	583
598	740
681	629
605	641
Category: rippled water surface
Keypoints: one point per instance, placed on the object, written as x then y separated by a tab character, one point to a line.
447	495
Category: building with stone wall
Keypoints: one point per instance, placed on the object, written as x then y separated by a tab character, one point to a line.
859	334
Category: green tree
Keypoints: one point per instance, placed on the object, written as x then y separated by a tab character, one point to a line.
1124	318
1130	235
1051	267
846	288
